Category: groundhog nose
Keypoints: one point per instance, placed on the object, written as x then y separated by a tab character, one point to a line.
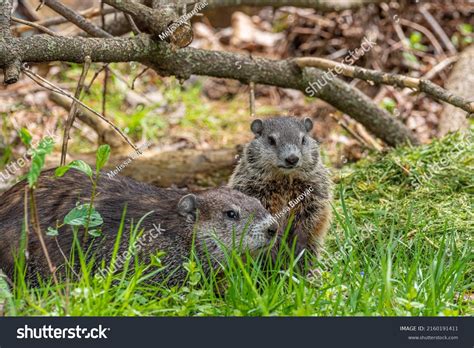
292	160
272	230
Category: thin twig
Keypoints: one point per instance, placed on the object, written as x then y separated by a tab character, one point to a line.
132	23
106	71
438	29
104	91
428	34
252	98
356	136
35	25
49	22
65	258
440	67
96	74
37	228
73	110
75	18
27	229
138	76
51	87
379	77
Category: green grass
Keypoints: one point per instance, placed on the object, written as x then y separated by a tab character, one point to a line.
400	244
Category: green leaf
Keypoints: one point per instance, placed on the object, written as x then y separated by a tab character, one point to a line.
82	166
60	171
389	104
415	37
95	233
420	47
25	136
52	232
410	57
38	155
465	28
77	164
103	155
79	216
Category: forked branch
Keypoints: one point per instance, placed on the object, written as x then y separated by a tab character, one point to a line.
421	85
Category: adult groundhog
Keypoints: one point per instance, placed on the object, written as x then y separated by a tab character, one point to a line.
282	168
217	219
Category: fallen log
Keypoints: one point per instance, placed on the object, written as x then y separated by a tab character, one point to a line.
182	168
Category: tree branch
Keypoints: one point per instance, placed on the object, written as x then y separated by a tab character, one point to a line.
76	18
11	64
35	26
156	20
51	87
73	110
379	77
49	22
106	134
188	61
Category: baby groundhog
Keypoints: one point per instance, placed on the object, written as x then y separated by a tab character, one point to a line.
213	220
282	168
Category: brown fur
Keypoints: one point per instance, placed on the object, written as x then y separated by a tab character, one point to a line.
205	223
261	173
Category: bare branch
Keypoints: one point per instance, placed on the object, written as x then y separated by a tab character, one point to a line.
436	45
49	22
157	20
11	64
134	27
51	87
252	98
35	25
132	87
76	18
5	15
105	134
421	85
36	226
437	28
73	110
356	136
187	61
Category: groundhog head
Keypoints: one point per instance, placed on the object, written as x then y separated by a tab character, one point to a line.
283	144
227	219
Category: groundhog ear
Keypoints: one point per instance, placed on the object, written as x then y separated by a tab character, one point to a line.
308	124
187	205
257	126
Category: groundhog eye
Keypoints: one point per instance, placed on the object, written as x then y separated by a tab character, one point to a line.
231	214
272	141
303	141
